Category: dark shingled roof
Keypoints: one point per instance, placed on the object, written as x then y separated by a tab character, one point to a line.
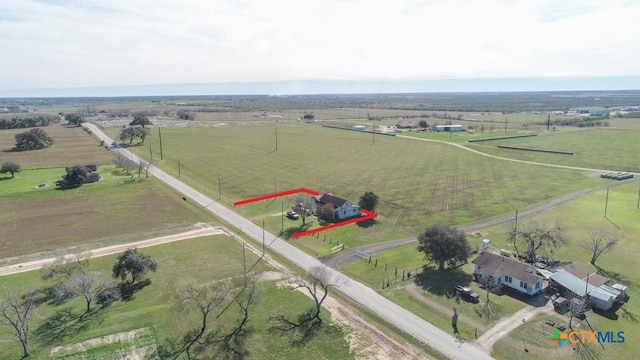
499	266
330	199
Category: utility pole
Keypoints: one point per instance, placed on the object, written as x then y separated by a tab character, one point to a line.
505	123
276	137
178	167
282	217
244	264
219	188
373	134
150	153
606	204
548	121
160	137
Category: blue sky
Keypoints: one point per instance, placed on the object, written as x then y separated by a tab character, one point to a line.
67	44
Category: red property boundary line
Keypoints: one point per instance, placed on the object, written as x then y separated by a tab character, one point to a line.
275	195
368	215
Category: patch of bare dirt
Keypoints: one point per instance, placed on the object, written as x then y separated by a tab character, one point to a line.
365	339
137	354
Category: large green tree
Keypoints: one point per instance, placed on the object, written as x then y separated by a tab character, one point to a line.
140	120
10	167
442	243
76	175
133	263
74	119
32	140
368	201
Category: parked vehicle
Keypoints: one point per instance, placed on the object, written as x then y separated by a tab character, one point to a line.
293	215
467	294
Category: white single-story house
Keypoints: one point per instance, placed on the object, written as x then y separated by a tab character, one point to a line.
335	207
512	274
447	128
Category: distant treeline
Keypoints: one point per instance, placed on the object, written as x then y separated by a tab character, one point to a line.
579	122
28	122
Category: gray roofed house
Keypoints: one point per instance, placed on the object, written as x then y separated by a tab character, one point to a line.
513	274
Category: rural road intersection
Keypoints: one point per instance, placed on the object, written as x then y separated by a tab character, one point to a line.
401	318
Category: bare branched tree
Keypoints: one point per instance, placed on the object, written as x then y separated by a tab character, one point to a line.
65	266
317	285
537	238
600	241
206	301
92	286
15	311
491	284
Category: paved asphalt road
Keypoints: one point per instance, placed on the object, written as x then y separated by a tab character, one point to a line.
403	319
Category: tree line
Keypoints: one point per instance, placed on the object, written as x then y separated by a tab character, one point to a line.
27	122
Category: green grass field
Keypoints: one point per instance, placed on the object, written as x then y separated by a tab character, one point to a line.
419	183
603	148
200	260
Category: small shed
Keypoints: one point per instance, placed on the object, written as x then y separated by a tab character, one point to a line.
601	299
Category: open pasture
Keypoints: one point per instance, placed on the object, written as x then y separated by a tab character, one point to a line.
71	145
419	183
596	148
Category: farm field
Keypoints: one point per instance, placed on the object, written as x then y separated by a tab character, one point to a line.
197	261
596	148
419	183
114	210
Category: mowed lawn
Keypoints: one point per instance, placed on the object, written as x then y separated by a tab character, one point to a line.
199	261
71	145
596	148
419	183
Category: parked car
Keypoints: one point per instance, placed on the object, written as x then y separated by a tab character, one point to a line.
293	215
467	294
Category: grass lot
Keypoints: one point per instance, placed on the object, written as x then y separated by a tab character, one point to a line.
71	145
114	210
419	183
431	294
601	148
199	260
578	217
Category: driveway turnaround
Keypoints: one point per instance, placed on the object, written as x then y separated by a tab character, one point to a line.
391	312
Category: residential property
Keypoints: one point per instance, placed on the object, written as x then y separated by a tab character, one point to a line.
578	281
92	176
447	128
512	274
334	208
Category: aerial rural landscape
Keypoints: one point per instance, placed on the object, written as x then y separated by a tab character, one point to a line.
361	179
550	191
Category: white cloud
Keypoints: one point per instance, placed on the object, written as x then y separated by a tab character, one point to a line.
119	42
